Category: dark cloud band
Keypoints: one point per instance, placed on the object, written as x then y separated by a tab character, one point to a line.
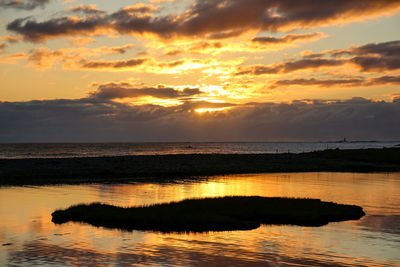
209	18
111	91
349	82
89	119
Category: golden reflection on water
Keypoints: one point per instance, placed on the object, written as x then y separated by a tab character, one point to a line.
374	240
338	187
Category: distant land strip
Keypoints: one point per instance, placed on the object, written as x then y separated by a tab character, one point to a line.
168	167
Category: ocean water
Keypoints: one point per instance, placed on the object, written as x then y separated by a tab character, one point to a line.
65	150
29	238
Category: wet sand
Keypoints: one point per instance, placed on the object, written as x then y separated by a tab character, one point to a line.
168	167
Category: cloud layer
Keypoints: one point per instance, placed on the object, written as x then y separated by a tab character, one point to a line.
205	18
110	91
349	82
97	119
188	58
374	57
23	4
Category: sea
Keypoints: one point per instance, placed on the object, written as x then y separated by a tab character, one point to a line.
69	150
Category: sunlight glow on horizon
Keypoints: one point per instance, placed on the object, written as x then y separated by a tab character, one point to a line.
204	110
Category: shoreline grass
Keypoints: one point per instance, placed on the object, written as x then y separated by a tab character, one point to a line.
160	167
211	214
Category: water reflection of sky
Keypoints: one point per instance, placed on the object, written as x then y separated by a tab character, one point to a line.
28	237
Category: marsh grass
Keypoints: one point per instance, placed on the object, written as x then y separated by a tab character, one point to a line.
211	214
162	167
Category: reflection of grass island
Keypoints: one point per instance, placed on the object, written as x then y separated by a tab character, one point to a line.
211	214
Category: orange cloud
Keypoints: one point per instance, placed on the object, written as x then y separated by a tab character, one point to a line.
23	4
367	58
288	67
113	65
71	58
259	44
2	46
208	19
288	39
349	82
86	9
10	38
80	41
113	90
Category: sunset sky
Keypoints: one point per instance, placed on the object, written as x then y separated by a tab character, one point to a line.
201	70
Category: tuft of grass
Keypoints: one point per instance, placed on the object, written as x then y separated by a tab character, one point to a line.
211	214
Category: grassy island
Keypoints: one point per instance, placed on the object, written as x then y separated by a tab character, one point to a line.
161	167
211	214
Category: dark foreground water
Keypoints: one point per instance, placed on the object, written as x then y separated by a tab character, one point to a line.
29	238
66	150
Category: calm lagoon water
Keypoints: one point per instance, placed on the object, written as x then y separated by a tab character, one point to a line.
29	238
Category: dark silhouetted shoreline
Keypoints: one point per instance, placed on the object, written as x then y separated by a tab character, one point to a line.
162	167
211	214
